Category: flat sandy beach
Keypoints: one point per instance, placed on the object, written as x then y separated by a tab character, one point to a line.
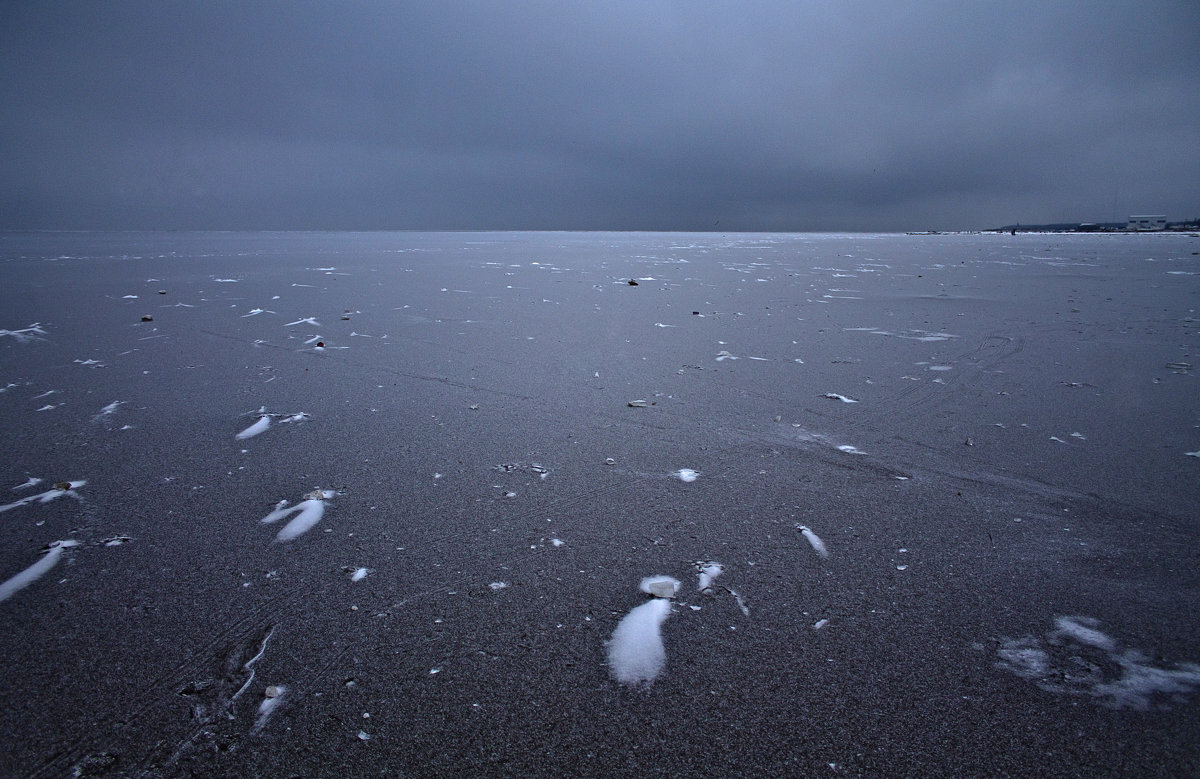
946	490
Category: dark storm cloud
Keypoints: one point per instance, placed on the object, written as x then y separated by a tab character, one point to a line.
769	115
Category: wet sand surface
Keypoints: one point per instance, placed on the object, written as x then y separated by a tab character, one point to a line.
951	484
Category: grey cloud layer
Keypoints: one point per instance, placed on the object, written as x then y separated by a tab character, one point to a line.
787	115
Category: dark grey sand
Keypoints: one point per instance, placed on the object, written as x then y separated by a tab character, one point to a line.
1013	579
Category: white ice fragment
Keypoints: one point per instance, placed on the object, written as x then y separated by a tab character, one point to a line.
940	367
497	586
660	586
261	425
813	539
36	571
358	575
836	396
30	483
848	449
820	623
724	355
308	320
364	735
635	652
686	474
557	542
1192	454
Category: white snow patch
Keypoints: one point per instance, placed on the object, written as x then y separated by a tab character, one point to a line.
269	705
25	334
1082	630
36	571
67	488
708	571
308	514
635	652
814	540
1061	664
258	427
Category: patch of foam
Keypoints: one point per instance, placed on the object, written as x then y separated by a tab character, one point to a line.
636	654
686	474
814	540
36	571
31	482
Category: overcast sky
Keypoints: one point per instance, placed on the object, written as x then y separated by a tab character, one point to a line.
690	115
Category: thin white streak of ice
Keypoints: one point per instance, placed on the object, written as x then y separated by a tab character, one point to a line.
247	666
635	652
34	572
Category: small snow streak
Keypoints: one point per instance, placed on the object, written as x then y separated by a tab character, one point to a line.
814	540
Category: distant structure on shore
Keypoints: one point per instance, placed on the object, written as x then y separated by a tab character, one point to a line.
1138	223
1147	223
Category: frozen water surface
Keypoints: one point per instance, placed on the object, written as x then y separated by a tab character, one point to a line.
522	363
